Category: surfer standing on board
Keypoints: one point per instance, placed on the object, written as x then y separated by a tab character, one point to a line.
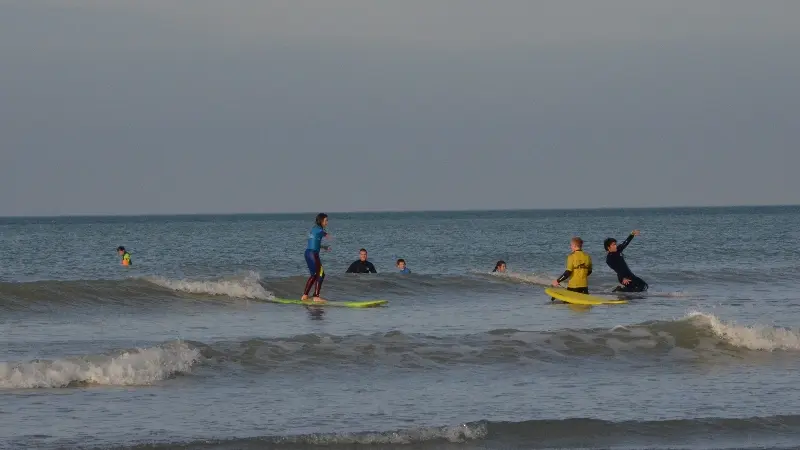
579	267
615	260
312	257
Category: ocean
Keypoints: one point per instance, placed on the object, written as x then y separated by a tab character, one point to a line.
183	349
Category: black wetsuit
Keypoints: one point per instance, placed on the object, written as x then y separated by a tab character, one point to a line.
617	263
361	267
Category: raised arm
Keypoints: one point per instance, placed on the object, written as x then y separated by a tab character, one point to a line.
621	247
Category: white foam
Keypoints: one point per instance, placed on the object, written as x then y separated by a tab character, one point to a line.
453	434
138	367
247	287
756	337
676	294
531	278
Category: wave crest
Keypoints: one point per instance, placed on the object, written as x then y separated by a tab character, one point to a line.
697	337
237	287
545	433
135	367
754	337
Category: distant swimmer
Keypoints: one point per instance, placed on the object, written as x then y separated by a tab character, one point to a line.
315	237
401	266
579	267
361	265
126	257
615	260
500	266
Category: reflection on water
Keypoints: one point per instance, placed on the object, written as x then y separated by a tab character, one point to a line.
316	312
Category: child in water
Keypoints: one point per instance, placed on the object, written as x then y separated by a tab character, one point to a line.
315	237
500	266
401	265
579	267
126	257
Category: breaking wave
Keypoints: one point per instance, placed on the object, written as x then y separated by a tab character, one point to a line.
585	433
697	337
248	286
133	367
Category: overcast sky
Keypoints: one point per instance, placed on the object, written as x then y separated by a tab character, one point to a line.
193	106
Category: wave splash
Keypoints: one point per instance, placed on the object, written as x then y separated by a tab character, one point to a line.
248	286
754	337
134	367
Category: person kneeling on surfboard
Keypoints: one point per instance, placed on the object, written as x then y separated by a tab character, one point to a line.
579	267
615	260
312	257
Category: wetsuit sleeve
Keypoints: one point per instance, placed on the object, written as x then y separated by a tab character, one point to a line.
372	268
621	247
352	268
567	272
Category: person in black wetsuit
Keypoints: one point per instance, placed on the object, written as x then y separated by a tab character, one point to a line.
615	260
361	265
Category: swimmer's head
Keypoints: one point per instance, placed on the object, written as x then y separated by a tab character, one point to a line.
120	249
610	245
401	263
322	220
500	266
576	243
362	254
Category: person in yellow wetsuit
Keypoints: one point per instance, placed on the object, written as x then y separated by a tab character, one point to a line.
126	257
579	267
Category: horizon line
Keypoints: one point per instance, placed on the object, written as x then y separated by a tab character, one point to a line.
387	211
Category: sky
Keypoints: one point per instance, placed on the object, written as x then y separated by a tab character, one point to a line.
205	106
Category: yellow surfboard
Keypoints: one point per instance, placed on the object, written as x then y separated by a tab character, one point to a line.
576	298
362	304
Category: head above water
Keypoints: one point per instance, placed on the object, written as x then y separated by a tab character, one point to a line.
610	245
500	266
322	220
576	243
401	263
362	254
120	249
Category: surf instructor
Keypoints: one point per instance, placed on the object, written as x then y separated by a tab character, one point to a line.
315	237
578	268
361	265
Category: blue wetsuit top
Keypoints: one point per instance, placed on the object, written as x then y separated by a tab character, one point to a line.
315	238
